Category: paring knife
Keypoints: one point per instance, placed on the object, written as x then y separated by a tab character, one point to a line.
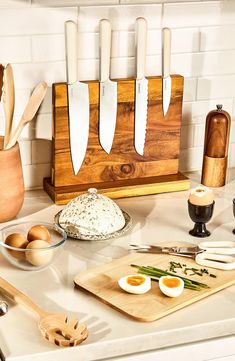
166	81
108	90
141	86
78	97
8	101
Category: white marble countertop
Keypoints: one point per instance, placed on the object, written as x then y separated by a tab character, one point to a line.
157	218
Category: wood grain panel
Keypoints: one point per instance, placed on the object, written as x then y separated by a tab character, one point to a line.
162	138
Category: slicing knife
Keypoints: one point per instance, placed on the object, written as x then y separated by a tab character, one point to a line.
108	90
166	81
141	86
78	98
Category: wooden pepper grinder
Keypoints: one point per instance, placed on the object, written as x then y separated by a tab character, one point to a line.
216	148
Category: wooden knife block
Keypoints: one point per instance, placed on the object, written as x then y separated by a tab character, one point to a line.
123	172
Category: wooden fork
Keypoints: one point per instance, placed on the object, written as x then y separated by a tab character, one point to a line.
54	327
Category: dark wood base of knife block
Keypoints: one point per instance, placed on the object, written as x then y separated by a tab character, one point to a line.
123	172
120	189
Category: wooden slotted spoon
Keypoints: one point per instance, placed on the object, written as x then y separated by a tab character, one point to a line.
54	327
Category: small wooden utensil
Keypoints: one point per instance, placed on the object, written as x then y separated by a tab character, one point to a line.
8	101
29	112
1	79
54	327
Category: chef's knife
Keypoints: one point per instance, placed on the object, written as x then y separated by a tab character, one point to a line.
78	98
8	101
141	86
108	90
166	82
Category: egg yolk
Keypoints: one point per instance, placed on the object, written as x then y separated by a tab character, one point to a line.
135	280
171	282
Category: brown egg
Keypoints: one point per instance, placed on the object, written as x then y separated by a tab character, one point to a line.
38	257
17	240
39	232
201	196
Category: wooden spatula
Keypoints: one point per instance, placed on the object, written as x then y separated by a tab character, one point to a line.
8	101
31	108
54	327
1	79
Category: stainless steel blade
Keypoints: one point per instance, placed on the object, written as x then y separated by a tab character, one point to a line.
174	250
141	110
78	94
108	113
166	94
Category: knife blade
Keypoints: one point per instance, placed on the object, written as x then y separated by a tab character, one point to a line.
108	90
141	86
166	81
8	101
173	250
78	100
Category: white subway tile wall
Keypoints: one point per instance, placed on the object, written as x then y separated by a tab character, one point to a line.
203	51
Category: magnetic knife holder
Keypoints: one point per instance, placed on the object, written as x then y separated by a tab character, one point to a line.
123	172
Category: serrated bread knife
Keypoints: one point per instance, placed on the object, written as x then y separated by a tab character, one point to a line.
108	90
141	86
78	98
166	81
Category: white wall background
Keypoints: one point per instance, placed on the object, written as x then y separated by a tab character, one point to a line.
203	51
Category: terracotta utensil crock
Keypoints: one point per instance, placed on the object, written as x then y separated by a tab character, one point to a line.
11	182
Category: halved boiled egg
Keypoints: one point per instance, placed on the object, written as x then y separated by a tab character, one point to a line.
171	286
137	284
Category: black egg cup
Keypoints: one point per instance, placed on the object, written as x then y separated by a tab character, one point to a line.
200	215
234	212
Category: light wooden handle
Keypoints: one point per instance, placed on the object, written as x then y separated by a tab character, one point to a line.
141	43
31	108
105	49
19	297
8	101
71	51
166	52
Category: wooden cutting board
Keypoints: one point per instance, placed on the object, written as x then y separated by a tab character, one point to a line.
102	283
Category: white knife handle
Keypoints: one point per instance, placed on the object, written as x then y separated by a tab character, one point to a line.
141	43
166	52
105	49
71	51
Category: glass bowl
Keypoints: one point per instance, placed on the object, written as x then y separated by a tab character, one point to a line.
32	259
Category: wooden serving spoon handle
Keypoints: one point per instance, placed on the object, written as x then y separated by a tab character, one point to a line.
54	327
19	297
31	108
8	101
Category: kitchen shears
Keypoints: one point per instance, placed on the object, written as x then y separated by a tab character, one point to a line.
216	254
